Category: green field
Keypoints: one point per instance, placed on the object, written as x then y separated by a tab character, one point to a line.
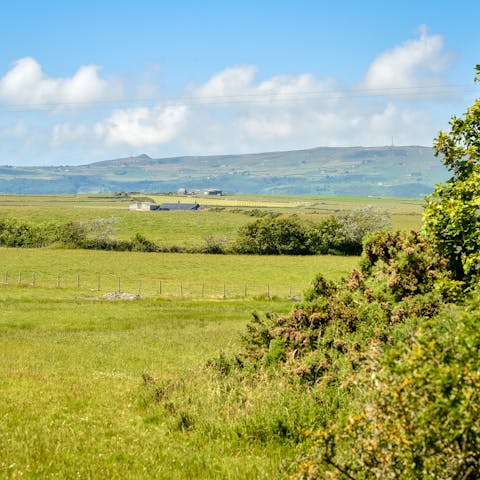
74	402
190	229
99	388
80	375
165	274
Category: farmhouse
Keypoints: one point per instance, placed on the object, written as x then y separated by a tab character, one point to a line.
179	206
143	206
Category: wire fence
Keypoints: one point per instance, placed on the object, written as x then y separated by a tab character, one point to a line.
147	286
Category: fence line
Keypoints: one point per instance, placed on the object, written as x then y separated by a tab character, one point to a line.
150	286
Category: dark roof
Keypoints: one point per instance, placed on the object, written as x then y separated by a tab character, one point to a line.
179	206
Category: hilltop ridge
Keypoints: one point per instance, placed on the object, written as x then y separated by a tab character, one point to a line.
403	171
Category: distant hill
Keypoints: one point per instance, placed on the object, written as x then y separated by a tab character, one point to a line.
357	171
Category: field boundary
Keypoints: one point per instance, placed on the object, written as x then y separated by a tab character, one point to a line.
142	287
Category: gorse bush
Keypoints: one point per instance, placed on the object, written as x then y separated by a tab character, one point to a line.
406	361
391	340
396	281
420	416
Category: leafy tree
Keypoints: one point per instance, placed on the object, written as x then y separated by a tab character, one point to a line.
452	212
273	236
344	233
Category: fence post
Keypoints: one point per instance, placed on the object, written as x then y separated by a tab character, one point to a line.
203	289
98	282
139	286
181	289
268	290
78	280
58	280
118	285
19	278
224	291
245	291
290	291
160	287
6	278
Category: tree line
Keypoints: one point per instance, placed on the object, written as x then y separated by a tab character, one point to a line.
269	234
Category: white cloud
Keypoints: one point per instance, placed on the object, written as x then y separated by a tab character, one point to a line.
235	111
142	126
64	133
410	64
231	81
26	84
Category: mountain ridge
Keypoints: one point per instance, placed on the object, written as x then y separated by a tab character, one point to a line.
395	171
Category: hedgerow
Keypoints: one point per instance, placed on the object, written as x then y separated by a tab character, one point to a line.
340	234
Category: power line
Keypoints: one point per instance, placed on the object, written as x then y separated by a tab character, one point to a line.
422	91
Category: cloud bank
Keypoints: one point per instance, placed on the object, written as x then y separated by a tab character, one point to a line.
234	112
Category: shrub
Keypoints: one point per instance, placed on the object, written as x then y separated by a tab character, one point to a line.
396	282
14	233
273	236
420	418
339	235
344	234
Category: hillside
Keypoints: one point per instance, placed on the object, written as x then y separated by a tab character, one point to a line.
407	171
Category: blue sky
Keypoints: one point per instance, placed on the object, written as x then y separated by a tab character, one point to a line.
88	81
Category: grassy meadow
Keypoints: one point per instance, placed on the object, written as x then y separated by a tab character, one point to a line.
99	388
166	274
96	388
221	219
79	396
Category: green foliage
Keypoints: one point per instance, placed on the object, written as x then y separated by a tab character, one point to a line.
72	235
215	245
344	233
15	233
141	244
340	234
328	330
452	212
421	417
273	236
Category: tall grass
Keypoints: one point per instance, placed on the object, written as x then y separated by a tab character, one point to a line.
102	389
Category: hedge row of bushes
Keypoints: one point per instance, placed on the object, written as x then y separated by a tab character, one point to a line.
340	234
269	234
14	233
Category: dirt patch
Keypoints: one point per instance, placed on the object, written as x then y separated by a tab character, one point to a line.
122	296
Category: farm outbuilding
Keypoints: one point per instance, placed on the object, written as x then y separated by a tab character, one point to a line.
212	191
179	206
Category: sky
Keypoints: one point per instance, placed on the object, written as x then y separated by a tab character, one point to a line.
84	81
